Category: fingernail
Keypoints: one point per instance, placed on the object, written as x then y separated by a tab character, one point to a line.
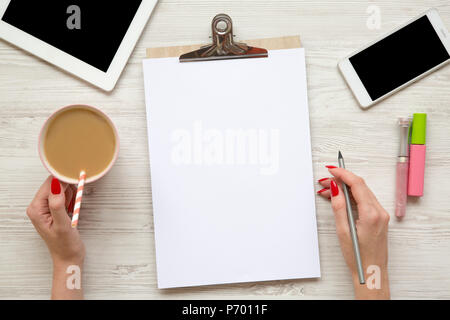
331	167
56	186
323	190
334	189
324	179
71	205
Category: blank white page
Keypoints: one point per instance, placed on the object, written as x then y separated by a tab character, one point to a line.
231	170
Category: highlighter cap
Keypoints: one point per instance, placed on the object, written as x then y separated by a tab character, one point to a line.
419	128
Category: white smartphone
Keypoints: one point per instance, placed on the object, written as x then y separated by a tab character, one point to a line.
398	59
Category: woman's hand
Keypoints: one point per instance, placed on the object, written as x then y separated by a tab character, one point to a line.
371	226
48	213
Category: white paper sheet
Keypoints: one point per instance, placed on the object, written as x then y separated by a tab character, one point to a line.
231	170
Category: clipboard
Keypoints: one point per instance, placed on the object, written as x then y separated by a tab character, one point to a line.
233	201
223	37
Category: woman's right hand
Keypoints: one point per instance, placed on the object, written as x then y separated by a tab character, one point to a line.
372	229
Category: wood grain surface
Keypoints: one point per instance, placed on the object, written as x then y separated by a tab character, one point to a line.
117	223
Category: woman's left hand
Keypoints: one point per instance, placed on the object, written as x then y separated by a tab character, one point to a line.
49	214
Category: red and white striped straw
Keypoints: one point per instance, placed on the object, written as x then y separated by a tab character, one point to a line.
77	206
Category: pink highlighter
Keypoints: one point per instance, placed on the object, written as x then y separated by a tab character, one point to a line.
417	155
401	193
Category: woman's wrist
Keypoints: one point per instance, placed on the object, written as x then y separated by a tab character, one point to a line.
374	288
64	263
67	278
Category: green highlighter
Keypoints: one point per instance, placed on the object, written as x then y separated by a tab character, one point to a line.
417	151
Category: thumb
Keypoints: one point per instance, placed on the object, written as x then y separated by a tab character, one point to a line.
56	203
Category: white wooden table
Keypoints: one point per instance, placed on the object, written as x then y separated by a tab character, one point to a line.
117	225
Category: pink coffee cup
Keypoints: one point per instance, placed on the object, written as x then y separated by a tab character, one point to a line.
55	173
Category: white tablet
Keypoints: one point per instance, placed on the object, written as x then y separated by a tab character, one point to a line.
91	39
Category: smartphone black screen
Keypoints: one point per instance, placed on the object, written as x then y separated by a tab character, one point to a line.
399	58
90	30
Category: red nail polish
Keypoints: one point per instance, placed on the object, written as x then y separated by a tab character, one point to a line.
334	189
331	167
71	205
324	179
323	190
56	186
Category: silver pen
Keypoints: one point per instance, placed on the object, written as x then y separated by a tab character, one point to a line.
351	223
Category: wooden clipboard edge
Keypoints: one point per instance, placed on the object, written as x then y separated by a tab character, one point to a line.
290	42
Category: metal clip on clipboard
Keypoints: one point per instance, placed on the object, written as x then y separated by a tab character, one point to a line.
223	46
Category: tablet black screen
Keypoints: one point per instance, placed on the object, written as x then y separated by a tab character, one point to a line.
90	30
